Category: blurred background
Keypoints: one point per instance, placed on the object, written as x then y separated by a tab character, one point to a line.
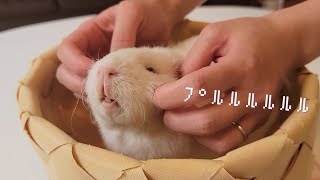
14	13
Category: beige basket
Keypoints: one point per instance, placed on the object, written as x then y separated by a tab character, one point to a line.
46	109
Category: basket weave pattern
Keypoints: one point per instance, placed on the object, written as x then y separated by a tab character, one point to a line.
68	142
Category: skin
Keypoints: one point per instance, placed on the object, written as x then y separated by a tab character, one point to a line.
252	55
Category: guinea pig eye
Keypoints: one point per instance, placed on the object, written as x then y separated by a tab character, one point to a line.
150	69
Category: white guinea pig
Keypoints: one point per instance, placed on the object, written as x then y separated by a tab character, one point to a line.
120	89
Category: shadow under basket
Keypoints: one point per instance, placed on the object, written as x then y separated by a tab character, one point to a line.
66	138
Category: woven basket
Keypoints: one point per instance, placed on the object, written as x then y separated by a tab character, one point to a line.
69	144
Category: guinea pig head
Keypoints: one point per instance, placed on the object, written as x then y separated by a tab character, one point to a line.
121	85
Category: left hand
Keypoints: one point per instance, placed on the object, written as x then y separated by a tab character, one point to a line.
253	55
127	24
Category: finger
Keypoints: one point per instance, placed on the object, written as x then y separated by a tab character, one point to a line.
208	119
128	19
79	50
106	19
231	137
209	44
69	80
221	76
90	41
73	58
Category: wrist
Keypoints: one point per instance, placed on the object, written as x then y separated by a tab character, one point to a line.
302	24
291	36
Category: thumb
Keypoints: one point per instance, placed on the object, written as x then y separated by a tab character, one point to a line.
128	19
208	46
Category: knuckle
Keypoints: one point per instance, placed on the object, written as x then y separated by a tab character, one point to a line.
221	146
82	68
87	23
207	29
60	51
59	74
252	64
126	5
198	83
211	35
206	126
265	91
206	36
210	31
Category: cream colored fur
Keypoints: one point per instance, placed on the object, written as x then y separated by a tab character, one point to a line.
136	128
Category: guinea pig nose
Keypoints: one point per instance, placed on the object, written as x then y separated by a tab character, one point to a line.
104	79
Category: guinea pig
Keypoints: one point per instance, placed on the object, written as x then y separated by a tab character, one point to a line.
120	89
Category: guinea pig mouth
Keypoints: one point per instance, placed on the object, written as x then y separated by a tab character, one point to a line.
107	102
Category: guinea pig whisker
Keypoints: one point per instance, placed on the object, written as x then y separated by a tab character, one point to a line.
89	55
72	115
83	95
93	58
141	111
76	106
98	54
92	119
87	108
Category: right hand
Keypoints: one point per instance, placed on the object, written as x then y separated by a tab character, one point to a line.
127	24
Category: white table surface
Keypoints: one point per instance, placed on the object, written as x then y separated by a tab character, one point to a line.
19	46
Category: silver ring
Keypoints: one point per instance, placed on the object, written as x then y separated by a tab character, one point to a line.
243	132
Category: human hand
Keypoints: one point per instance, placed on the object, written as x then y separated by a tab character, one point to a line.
252	55
127	24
